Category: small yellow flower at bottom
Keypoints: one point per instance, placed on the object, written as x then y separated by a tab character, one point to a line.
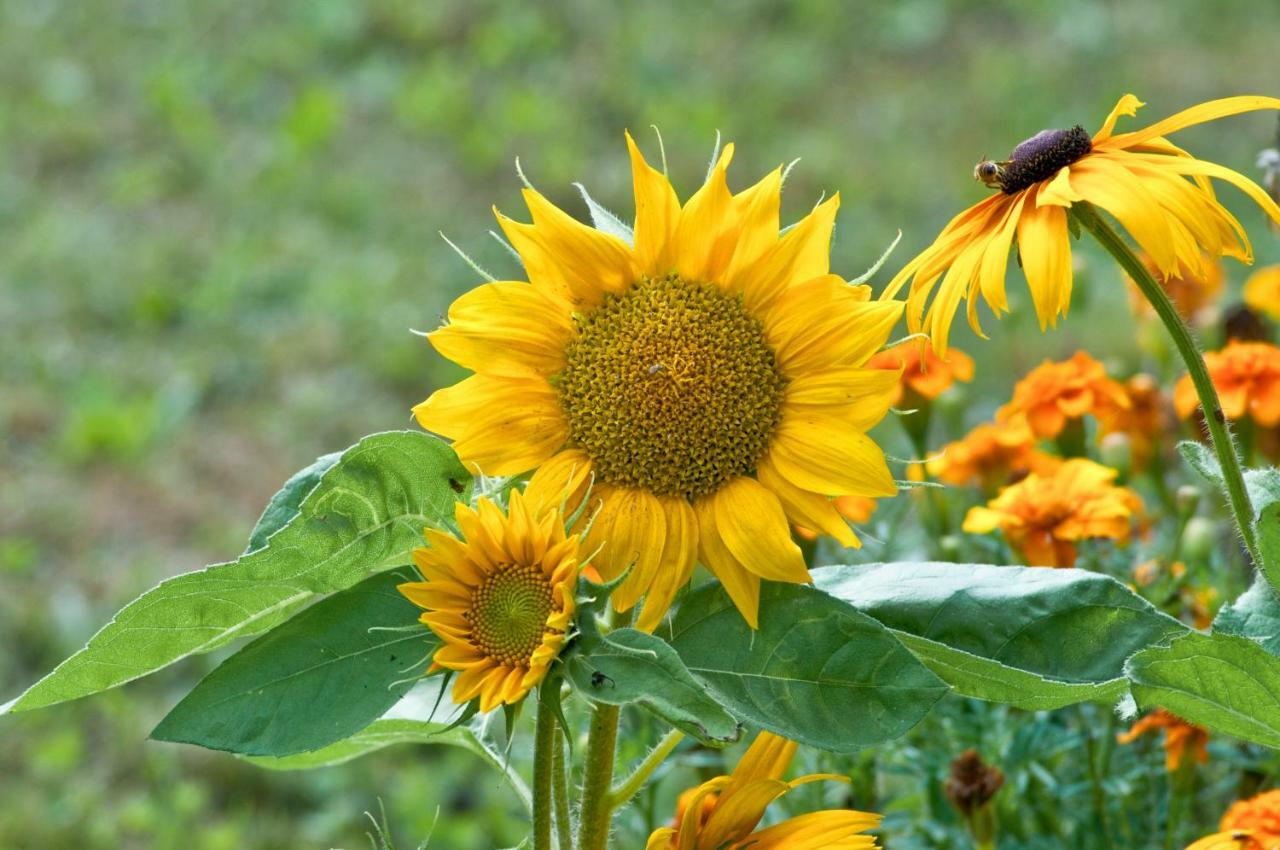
724	812
500	599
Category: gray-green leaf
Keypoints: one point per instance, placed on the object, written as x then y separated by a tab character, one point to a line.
324	675
366	514
1031	637
287	501
817	671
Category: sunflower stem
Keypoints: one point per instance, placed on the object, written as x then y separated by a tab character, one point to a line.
546	741
631	786
1216	423
560	795
597	777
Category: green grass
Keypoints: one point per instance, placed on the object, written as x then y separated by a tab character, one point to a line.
219	223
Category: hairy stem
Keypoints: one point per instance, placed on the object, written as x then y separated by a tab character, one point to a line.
560	795
597	777
546	741
1223	445
631	786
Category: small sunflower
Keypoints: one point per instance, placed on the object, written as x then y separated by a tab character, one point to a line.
500	599
1262	291
1247	378
722	813
1182	740
1055	393
1252	824
925	373
990	456
1044	516
1159	193
708	378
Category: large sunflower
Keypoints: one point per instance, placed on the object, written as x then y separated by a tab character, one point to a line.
1139	177
707	377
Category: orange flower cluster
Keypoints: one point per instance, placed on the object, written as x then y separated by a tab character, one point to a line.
1252	824
924	372
1144	420
1247	377
1044	516
1182	740
990	456
1054	393
1190	292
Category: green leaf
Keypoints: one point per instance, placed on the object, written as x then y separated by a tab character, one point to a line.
1201	459
629	666
817	671
392	731
324	675
1264	493
1031	637
1255	614
284	505
1226	683
366	514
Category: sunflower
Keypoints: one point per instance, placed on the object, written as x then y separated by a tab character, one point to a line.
1044	516
500	599
1139	177
925	373
1247	378
1055	393
707	380
855	509
1252	824
990	456
1262	291
722	813
1182	740
1192	293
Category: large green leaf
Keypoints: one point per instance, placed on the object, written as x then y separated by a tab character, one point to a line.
1255	614
366	513
1227	683
629	666
1264	492
324	675
391	731
1032	637
286	503
817	671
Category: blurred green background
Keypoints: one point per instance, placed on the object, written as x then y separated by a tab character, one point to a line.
218	224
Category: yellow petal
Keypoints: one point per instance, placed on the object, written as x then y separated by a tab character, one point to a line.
859	396
657	211
560	483
736	814
807	510
756	533
802	254
1128	106
823	455
837	829
505	328
629	532
1262	291
1044	244
1058	191
679	553
705	235
825	322
743	587
1107	183
1198	114
756	212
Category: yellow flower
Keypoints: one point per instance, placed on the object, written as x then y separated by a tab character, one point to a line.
1044	516
722	814
1247	377
1191	292
709	379
1139	177
1252	824
1262	291
1182	740
990	456
1053	393
500	599
923	371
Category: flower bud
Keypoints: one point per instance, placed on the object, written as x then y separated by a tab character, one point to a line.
1187	499
1198	539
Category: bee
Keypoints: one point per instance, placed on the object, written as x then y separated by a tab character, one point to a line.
598	679
990	172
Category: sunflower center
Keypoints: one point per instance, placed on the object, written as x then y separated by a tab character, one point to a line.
509	612
1040	157
671	386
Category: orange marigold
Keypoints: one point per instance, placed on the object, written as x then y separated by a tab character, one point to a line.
991	455
1190	291
924	372
1055	392
1182	740
1247	377
1144	420
1252	824
1044	516
1262	291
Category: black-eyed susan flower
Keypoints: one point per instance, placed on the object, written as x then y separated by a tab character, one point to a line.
1262	291
723	813
1044	516
1247	378
1252	824
1158	192
1057	392
1183	741
500	598
709	378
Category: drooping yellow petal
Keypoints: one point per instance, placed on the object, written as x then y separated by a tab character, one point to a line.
754	529
737	813
742	586
825	830
1046	259
679	554
1106	183
628	531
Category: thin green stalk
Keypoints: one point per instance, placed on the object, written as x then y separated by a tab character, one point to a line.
546	740
560	795
1181	781
597	777
631	786
1215	421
